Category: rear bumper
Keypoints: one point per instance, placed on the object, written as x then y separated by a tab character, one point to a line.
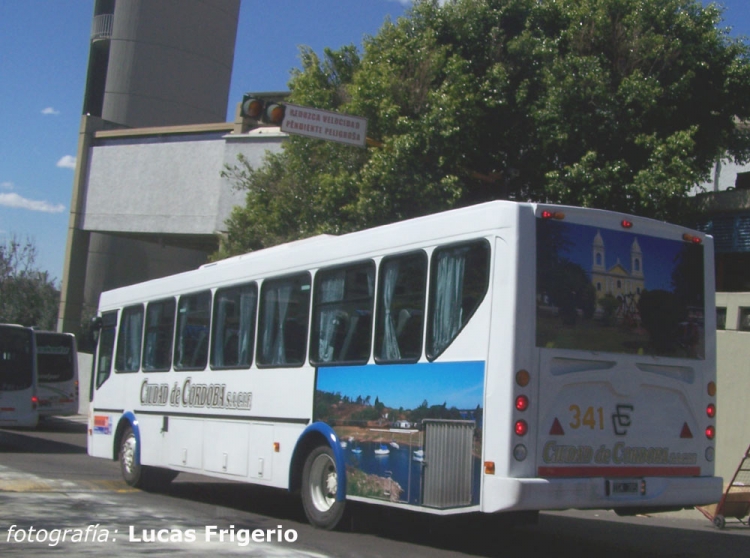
508	494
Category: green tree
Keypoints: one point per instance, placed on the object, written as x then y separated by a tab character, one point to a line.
617	104
27	296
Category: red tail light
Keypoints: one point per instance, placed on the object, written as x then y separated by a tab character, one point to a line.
710	432
522	402
711	410
690	238
521	428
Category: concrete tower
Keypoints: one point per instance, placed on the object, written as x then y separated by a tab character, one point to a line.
161	62
152	63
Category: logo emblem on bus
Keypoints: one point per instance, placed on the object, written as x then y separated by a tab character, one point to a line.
621	419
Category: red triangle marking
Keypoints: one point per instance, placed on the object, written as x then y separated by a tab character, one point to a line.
557	429
686	432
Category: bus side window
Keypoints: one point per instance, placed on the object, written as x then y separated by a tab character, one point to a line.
284	313
342	315
193	323
459	276
234	326
106	347
401	300
157	345
128	356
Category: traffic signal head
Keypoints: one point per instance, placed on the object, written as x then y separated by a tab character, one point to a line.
263	111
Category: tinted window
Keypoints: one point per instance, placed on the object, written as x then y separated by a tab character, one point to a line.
284	313
459	274
128	358
157	346
193	323
55	357
401	301
16	359
106	346
342	319
234	326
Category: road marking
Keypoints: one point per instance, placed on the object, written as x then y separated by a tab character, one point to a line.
17	481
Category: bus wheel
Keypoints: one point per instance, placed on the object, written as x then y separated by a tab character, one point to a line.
319	487
130	466
137	475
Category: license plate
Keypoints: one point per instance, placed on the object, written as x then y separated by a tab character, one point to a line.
623	487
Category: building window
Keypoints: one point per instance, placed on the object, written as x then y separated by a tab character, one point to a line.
721	318
744	321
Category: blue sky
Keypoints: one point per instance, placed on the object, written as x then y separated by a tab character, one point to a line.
43	58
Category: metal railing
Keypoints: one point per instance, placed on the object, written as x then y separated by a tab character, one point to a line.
101	27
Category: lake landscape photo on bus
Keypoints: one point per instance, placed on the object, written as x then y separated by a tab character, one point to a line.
379	411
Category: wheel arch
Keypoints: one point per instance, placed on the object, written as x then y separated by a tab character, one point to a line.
127	420
317	434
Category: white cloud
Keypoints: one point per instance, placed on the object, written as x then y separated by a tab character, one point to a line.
50	110
14	200
67	162
7	186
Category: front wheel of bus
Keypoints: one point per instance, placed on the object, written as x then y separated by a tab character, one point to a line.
319	487
130	466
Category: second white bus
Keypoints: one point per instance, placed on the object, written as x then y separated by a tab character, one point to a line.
57	369
501	357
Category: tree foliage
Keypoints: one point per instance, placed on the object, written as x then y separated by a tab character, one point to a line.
617	104
27	296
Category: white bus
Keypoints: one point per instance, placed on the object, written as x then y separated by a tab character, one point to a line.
18	381
57	370
501	357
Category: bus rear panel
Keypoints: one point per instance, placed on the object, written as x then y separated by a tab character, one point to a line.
616	404
57	367
18	396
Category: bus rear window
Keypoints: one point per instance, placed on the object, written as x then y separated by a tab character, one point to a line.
16	360
54	357
608	290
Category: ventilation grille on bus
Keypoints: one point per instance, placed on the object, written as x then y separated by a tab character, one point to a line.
448	463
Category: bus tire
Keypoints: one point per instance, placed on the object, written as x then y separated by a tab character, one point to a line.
135	474
319	487
130	465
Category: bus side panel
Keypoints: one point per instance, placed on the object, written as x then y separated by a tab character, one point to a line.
230	424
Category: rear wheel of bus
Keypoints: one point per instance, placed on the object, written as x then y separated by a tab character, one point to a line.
319	488
135	474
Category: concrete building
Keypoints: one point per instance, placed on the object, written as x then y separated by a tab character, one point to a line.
725	214
138	213
733	365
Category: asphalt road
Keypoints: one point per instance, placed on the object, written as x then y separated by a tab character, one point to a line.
54	498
